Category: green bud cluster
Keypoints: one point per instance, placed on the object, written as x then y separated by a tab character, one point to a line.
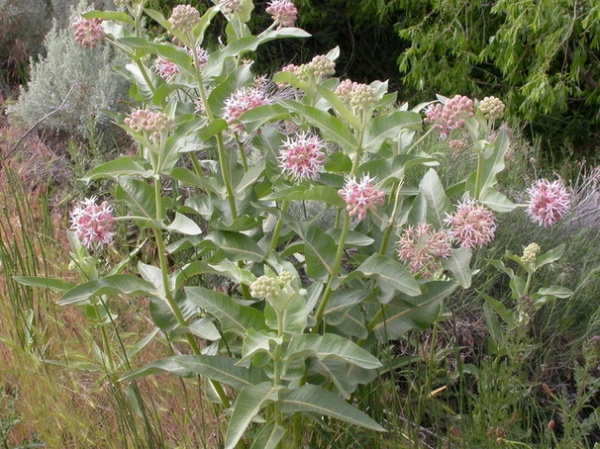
492	108
184	18
530	253
363	96
322	66
270	287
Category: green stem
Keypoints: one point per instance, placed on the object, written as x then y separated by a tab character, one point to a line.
419	140
164	266
196	164
478	175
390	227
334	273
220	144
278	226
243	157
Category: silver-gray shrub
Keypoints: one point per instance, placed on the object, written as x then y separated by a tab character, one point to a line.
71	85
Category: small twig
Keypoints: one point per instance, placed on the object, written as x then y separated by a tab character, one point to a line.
61	107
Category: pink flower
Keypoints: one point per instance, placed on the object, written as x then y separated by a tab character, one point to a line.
302	157
422	247
283	12
242	100
548	202
360	196
93	224
202	56
166	69
472	225
449	116
88	32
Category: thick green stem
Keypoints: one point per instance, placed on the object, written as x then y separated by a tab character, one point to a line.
242	150
390	227
478	174
164	267
278	226
334	273
220	144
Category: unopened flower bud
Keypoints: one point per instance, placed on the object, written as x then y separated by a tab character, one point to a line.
265	287
184	18
530	253
492	108
322	66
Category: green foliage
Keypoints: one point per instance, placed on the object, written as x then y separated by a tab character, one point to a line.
540	57
70	86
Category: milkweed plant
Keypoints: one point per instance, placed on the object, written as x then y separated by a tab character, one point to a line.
223	153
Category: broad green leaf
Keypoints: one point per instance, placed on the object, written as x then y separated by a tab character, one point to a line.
258	117
389	126
139	197
109	15
256	342
121	166
340	107
332	128
330	346
215	127
151	274
187	177
390	272
494	329
219	368
320	251
183	225
340	303
459	264
344	376
517	285
223	268
550	256
556	291
324	194
499	308
236	246
205	329
269	437
249	403
56	285
158	17
313	399
144	90
233	316
251	177
408	313
119	284
438	204
497	201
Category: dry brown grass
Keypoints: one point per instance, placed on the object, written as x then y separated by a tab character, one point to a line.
64	406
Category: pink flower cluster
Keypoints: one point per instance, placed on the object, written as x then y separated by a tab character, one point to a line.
302	157
88	32
152	122
472	225
422	247
548	202
243	100
93	224
283	12
360	196
449	116
166	69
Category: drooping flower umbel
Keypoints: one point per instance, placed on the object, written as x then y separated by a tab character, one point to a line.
449	116
283	12
88	32
302	157
92	223
472	225
548	202
360	196
422	247
166	69
230	6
